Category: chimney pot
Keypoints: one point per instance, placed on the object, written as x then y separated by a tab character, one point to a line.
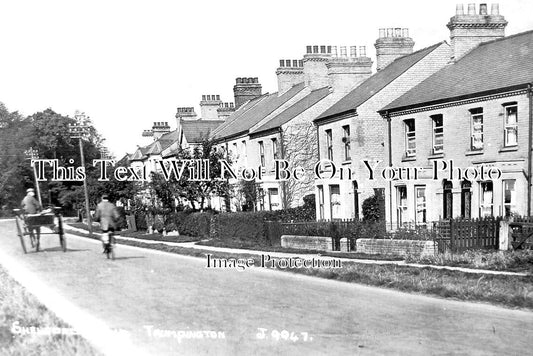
282	63
471	9
382	33
495	9
203	96
308	49
287	63
300	63
362	51
405	32
398	32
334	51
483	9
315	49
459	10
353	51
294	63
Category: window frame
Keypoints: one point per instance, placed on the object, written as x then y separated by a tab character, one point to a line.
410	137
508	127
262	153
476	128
437	132
329	144
275	149
346	141
512	203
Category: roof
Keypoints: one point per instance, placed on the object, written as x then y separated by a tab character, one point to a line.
285	116
155	147
197	130
246	119
492	66
376	82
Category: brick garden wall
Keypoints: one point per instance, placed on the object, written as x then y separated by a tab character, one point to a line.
396	247
307	242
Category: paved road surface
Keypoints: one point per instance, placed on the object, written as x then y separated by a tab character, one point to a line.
144	290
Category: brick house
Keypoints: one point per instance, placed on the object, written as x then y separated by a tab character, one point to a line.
477	113
352	131
279	125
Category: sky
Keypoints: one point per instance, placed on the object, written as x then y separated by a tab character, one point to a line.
129	63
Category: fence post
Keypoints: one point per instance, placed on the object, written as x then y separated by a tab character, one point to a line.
503	244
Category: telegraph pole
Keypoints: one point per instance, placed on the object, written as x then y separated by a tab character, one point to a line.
80	130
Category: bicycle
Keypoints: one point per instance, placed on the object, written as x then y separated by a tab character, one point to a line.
109	245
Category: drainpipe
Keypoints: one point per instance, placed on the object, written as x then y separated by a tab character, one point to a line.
389	129
283	183
529	168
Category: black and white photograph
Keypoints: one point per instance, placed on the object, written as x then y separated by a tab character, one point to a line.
266	177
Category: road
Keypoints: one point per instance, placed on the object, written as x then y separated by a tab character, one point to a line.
152	297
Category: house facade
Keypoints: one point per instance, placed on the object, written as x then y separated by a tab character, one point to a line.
352	132
466	130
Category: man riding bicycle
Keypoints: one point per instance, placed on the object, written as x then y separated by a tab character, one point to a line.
108	216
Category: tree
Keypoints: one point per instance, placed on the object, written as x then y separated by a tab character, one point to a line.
299	149
197	193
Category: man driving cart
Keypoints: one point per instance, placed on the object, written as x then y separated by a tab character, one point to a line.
31	205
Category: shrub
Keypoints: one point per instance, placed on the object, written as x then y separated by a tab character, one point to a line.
373	208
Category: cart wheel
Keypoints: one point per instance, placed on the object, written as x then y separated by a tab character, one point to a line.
20	234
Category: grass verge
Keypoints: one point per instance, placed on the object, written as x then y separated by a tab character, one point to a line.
19	311
510	291
512	261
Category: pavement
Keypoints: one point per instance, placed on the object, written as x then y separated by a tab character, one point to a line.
150	302
310	255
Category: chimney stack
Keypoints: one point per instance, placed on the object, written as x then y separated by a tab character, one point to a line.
225	110
347	72
246	89
314	66
209	106
468	31
391	44
290	72
159	129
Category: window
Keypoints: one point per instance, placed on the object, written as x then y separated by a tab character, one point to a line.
509	196
346	140
273	200
511	125
438	134
329	144
485	199
420	198
275	148
410	143
466	199
320	202
476	140
244	149
262	153
401	204
335	201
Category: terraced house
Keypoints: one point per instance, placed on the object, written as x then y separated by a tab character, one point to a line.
351	131
475	112
279	125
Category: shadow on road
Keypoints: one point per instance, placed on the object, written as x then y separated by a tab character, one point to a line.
128	258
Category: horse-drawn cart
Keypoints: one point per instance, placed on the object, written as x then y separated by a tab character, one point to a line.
29	225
